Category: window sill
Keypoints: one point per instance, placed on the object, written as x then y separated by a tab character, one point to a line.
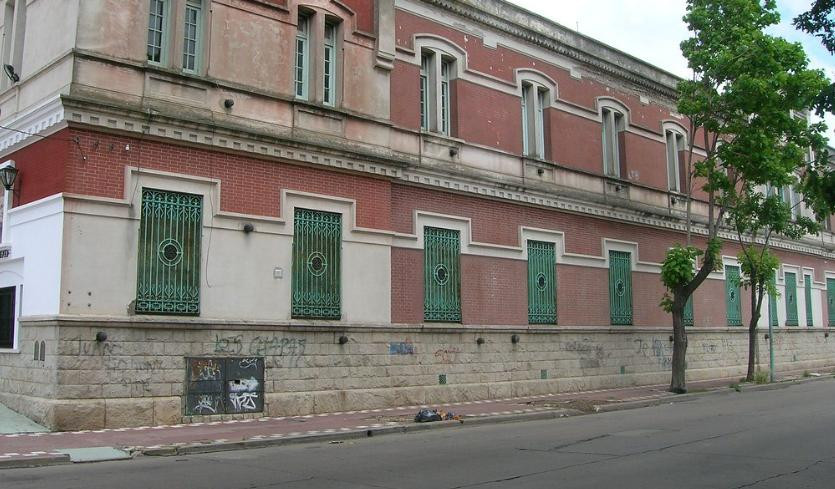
10	350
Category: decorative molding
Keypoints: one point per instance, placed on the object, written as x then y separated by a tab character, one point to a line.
31	123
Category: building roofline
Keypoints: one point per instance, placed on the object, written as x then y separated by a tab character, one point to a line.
534	28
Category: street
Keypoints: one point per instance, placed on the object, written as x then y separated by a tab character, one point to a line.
783	438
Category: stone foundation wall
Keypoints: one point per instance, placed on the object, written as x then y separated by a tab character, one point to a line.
137	376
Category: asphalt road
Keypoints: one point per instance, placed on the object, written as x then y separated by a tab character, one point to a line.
781	438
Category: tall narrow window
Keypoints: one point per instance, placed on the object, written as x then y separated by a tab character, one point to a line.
732	300
302	56
534	101
425	67
791	299
317	245
807	289
675	144
443	126
329	68
830	300
526	100
688	311
157	30
542	283
192	34
168	265
436	73
620	287
441	275
7	317
612	125
539	123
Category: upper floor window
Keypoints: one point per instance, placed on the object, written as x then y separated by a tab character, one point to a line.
316	70
161	32
675	165
534	101
14	34
329	68
302	56
192	35
613	125
435	92
157	30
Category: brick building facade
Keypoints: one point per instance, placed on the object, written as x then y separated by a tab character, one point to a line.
227	207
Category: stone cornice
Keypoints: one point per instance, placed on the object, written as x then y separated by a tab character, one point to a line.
563	41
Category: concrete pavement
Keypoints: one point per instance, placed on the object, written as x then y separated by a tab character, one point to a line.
41	448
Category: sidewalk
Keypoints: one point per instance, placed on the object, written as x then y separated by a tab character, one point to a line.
40	448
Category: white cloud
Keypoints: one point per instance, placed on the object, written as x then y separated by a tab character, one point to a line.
653	30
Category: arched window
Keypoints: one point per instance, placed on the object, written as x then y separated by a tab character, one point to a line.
614	120
676	142
537	92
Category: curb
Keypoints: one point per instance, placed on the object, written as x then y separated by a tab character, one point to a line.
40	461
356	434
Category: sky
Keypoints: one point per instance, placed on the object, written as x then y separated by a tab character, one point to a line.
652	30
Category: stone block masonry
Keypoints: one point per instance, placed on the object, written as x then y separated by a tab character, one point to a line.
137	376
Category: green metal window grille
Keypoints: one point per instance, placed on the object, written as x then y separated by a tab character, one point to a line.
830	300
688	311
791	299
807	289
733	302
317	247
168	269
542	283
441	275
620	287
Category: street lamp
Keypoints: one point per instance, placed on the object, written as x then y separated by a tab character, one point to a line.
8	175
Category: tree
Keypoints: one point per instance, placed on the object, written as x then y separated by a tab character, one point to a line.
819	21
741	104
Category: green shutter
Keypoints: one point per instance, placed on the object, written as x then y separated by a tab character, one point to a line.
688	311
807	286
830	300
732	299
620	287
441	275
317	247
542	283
791	299
168	265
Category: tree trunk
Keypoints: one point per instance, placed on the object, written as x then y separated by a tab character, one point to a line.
757	295
678	382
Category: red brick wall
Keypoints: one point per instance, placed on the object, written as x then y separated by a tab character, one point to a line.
406	285
582	296
576	142
493	291
405	95
646	161
248	185
364	11
488	117
41	167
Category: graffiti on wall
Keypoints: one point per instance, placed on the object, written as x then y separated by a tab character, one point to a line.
224	385
278	350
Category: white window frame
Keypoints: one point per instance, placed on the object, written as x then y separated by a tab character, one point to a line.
301	65
329	63
163	30
535	98
195	6
613	121
437	70
675	143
